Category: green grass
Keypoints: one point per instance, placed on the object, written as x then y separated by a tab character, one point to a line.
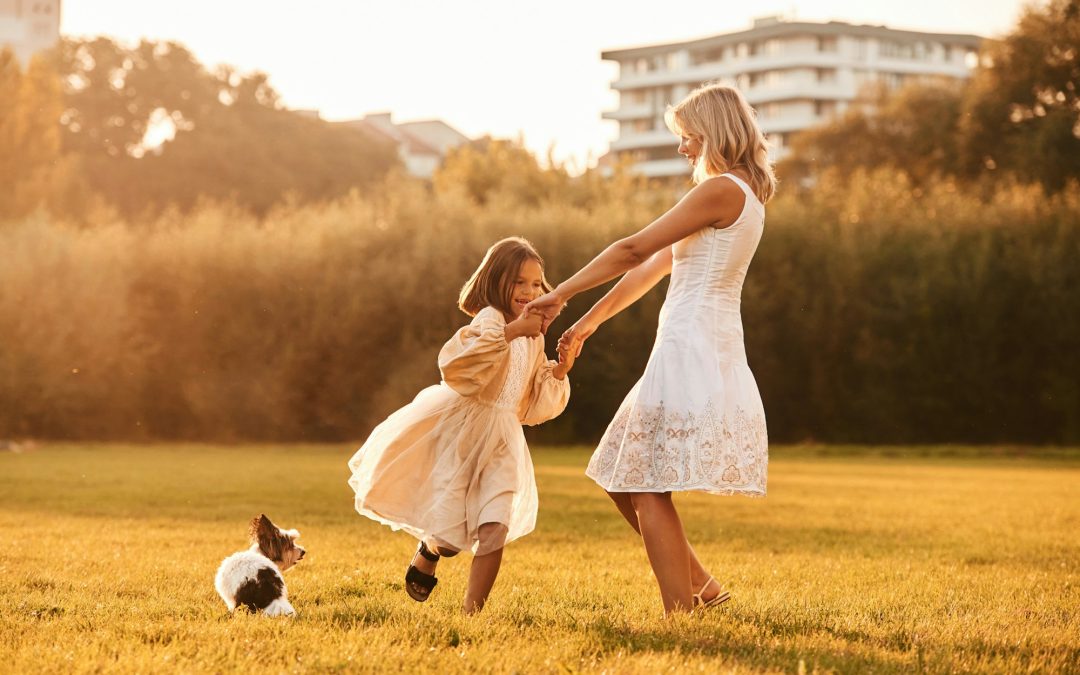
856	562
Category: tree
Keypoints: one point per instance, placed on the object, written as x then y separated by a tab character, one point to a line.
1022	111
914	129
153	127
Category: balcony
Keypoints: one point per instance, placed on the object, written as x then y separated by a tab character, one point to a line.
646	139
720	70
662	168
635	111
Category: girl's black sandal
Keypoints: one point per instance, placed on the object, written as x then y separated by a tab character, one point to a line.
424	582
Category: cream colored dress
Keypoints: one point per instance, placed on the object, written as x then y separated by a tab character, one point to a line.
455	458
694	421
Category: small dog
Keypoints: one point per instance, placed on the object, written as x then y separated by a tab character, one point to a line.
253	578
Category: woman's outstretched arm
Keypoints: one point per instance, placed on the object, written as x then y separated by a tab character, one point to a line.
714	202
634	284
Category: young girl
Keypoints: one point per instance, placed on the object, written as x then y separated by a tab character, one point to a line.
452	468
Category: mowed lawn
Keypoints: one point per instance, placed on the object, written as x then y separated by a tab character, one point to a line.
852	564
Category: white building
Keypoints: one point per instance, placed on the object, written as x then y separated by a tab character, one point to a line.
422	145
794	74
29	26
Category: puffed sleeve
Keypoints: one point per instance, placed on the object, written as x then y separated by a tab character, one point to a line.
472	357
548	396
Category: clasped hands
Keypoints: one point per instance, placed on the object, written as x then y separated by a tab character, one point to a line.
547	308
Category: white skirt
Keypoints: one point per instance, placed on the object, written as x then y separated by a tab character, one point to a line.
692	422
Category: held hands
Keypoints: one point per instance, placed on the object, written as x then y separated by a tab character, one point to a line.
526	325
566	362
573	339
548	306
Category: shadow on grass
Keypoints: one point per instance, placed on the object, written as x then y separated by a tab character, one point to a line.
755	648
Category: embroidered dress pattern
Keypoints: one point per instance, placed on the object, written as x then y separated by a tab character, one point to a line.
518	376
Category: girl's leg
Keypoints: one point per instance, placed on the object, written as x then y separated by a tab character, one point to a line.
699	576
485	568
665	543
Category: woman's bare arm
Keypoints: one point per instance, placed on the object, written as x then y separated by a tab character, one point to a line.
714	202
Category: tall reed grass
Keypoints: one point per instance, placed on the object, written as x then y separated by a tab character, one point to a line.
874	312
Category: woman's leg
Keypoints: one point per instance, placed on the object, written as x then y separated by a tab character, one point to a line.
485	568
665	544
699	576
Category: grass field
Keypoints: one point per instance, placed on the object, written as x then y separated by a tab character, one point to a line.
858	561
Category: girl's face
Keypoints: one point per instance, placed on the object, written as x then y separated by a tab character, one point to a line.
528	285
690	148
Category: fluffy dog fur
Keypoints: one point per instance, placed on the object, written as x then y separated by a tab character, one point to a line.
253	578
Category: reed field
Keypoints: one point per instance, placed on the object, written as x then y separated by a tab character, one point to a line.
888	559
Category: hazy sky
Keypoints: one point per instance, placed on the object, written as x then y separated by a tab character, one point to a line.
495	67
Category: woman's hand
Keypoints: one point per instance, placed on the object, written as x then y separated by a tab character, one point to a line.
548	306
573	339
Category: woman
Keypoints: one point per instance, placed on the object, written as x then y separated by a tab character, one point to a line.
694	421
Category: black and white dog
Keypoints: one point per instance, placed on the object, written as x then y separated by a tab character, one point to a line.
253	578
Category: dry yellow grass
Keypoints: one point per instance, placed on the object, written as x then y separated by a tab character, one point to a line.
852	564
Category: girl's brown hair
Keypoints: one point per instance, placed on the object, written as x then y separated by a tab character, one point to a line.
493	282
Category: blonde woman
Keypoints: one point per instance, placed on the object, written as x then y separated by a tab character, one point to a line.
694	421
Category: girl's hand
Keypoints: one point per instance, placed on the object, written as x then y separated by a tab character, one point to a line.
573	339
526	325
566	362
548	306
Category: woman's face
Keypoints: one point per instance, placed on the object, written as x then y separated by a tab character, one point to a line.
690	147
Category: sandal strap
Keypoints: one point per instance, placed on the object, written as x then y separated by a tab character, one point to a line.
428	554
415	576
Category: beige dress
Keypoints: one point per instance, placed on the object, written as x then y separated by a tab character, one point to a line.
455	458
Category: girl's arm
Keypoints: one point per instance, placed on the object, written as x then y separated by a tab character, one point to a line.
630	288
713	202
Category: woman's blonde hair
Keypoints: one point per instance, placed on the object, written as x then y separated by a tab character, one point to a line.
726	125
493	282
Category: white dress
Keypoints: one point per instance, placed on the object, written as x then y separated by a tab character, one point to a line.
694	421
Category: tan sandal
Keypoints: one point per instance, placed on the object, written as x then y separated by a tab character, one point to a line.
719	599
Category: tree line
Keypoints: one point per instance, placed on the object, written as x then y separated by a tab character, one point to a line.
904	291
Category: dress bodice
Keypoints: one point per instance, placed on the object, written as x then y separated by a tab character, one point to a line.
707	274
517	376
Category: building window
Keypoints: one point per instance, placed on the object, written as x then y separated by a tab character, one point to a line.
824	108
708	56
777	141
640	126
861	49
827	44
826	75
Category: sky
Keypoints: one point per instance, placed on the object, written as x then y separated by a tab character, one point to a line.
505	68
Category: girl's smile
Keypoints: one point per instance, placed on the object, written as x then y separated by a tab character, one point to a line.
528	286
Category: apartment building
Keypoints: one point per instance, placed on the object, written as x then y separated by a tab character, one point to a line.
29	26
795	74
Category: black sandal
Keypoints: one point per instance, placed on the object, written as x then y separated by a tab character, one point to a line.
421	579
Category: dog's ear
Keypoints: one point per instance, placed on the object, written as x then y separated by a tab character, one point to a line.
260	528
272	542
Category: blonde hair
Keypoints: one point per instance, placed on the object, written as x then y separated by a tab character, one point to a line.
493	281
726	125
